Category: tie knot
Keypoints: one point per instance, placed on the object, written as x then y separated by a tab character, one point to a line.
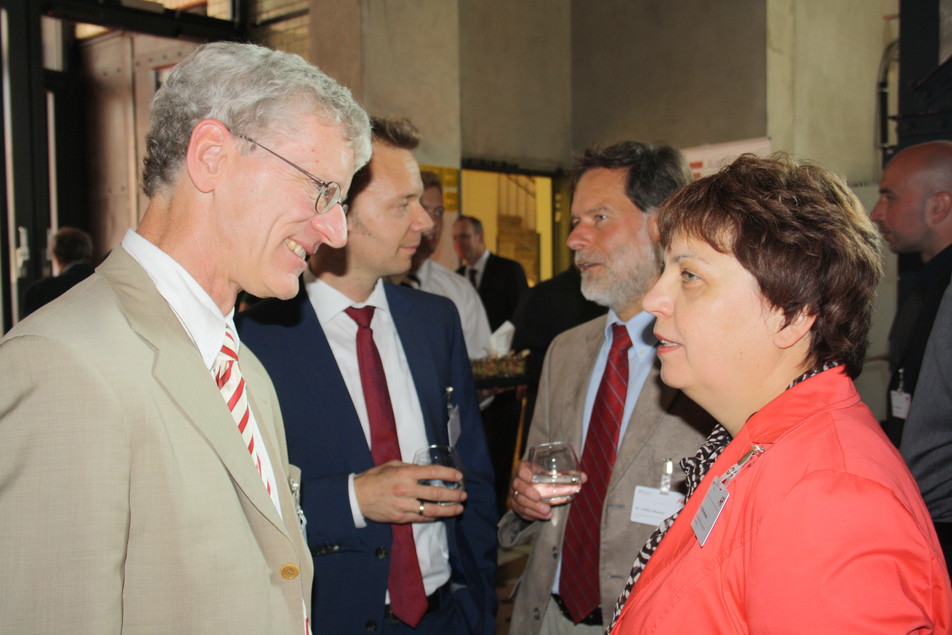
229	347
621	341
361	316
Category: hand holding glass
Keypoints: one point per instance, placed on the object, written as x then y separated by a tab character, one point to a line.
440	455
555	472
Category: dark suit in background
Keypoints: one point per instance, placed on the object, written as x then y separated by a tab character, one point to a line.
501	288
48	289
927	434
547	309
910	331
327	442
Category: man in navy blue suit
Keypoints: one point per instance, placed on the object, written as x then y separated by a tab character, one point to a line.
359	507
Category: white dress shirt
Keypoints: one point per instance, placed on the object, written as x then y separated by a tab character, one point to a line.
202	320
341	331
435	278
479	266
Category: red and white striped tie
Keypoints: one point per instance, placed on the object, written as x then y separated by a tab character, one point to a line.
232	386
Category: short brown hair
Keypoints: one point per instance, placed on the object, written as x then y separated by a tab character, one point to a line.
396	133
71	245
431	179
803	235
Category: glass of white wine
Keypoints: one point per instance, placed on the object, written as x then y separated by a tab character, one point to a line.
555	472
440	455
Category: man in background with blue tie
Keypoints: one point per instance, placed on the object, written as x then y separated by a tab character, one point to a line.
368	373
144	480
600	391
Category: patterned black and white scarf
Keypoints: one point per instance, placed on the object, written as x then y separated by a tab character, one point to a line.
695	469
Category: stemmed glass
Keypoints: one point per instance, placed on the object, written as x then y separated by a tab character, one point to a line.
440	455
555	472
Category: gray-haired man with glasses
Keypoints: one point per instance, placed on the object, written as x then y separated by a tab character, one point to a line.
145	484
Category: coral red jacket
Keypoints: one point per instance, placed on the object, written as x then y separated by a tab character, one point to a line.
825	532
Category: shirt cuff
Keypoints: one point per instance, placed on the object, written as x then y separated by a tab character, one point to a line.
359	521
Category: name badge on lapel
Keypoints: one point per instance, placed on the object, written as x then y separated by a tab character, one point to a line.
709	511
296	495
900	400
716	497
651	506
453	425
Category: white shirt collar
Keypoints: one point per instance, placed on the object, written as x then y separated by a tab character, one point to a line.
199	315
480	263
328	302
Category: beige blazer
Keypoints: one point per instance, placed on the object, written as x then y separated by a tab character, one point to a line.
128	502
664	424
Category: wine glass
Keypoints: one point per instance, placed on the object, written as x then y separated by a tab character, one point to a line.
555	472
445	455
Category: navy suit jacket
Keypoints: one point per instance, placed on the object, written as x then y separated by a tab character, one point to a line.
326	441
501	287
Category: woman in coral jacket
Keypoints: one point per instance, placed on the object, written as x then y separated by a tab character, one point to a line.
803	518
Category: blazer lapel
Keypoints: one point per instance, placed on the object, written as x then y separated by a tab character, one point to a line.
571	404
420	359
262	407
650	409
179	370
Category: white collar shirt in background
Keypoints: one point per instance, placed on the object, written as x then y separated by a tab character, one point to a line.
437	279
479	266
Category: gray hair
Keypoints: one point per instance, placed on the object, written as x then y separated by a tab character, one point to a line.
655	171
248	88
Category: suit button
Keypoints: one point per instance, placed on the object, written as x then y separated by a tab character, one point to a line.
381	553
371	626
536	613
555	552
290	571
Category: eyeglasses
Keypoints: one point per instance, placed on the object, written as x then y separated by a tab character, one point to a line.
328	192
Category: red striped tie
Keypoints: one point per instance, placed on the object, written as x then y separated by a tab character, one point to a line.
578	582
232	386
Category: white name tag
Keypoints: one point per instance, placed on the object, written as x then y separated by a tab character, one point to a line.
709	510
651	505
900	400
454	426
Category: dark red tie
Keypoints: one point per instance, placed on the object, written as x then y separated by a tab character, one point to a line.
407	596
578	583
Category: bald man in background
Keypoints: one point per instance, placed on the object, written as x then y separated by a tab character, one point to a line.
914	214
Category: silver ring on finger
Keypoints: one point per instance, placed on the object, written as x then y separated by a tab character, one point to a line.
421	508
